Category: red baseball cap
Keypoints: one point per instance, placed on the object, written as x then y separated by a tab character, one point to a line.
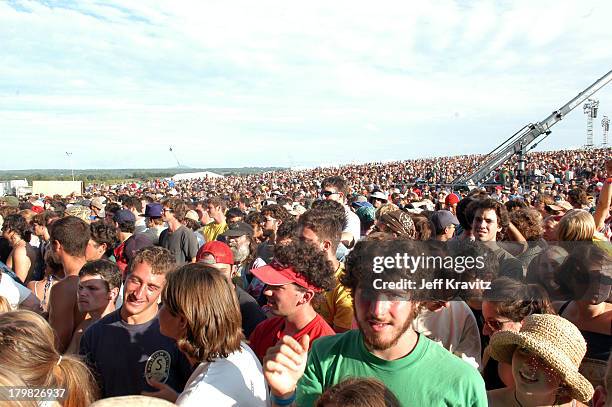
451	199
219	250
276	273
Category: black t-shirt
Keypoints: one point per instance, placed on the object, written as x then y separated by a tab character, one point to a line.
252	314
122	356
5	249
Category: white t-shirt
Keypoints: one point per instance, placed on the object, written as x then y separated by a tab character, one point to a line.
353	224
14	292
454	327
237	380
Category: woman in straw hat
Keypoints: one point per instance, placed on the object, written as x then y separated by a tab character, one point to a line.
585	280
504	307
545	355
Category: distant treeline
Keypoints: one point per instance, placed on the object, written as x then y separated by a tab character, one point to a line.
102	175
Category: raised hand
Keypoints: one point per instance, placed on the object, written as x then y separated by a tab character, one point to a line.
284	364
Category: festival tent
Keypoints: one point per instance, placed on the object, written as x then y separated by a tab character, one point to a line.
195	175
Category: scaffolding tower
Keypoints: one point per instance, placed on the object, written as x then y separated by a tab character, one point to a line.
605	124
590	109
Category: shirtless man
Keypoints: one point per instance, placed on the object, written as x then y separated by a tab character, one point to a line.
99	283
69	238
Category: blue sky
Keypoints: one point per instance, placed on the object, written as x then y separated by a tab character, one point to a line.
244	83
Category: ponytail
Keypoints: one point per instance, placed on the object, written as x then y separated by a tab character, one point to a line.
72	374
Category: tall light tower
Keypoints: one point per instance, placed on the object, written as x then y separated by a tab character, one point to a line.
590	109
605	123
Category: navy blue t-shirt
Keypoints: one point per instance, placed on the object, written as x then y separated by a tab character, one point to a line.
122	356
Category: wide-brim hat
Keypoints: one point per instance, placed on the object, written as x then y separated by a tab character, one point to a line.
379	195
556	341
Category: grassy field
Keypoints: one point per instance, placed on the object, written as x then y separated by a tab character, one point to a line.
118	175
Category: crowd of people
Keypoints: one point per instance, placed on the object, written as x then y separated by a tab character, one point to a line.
269	289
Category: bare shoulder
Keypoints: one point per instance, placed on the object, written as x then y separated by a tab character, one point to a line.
500	397
19	251
32	285
67	285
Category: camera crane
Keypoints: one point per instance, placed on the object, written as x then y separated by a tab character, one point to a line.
522	141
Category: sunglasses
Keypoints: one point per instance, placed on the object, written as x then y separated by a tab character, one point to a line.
327	194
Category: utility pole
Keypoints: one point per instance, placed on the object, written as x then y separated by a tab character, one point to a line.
70	160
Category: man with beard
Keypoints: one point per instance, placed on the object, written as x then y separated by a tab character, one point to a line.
239	237
418	371
273	216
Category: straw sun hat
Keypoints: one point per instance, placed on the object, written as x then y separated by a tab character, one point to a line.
556	341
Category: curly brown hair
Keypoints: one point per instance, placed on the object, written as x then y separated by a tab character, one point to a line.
307	260
500	210
528	222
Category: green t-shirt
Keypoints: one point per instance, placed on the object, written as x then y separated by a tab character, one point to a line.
428	376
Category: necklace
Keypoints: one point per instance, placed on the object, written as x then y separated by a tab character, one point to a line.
521	405
516	399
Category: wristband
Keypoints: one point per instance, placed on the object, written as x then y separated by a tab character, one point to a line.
609	180
283	402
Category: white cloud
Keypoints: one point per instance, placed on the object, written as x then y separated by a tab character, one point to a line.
203	72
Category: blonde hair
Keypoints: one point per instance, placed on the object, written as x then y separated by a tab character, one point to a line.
7	380
576	225
5	305
27	349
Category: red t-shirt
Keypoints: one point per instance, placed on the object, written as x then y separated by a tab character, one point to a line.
268	332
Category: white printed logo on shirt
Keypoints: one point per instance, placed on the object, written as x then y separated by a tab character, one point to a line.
158	366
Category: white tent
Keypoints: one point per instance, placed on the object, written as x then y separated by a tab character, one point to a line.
194	175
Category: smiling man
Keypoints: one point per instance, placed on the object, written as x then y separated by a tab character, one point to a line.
125	349
298	273
418	371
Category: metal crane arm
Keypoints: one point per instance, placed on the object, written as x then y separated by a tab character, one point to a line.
527	135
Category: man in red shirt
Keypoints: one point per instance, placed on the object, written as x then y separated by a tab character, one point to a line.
298	274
